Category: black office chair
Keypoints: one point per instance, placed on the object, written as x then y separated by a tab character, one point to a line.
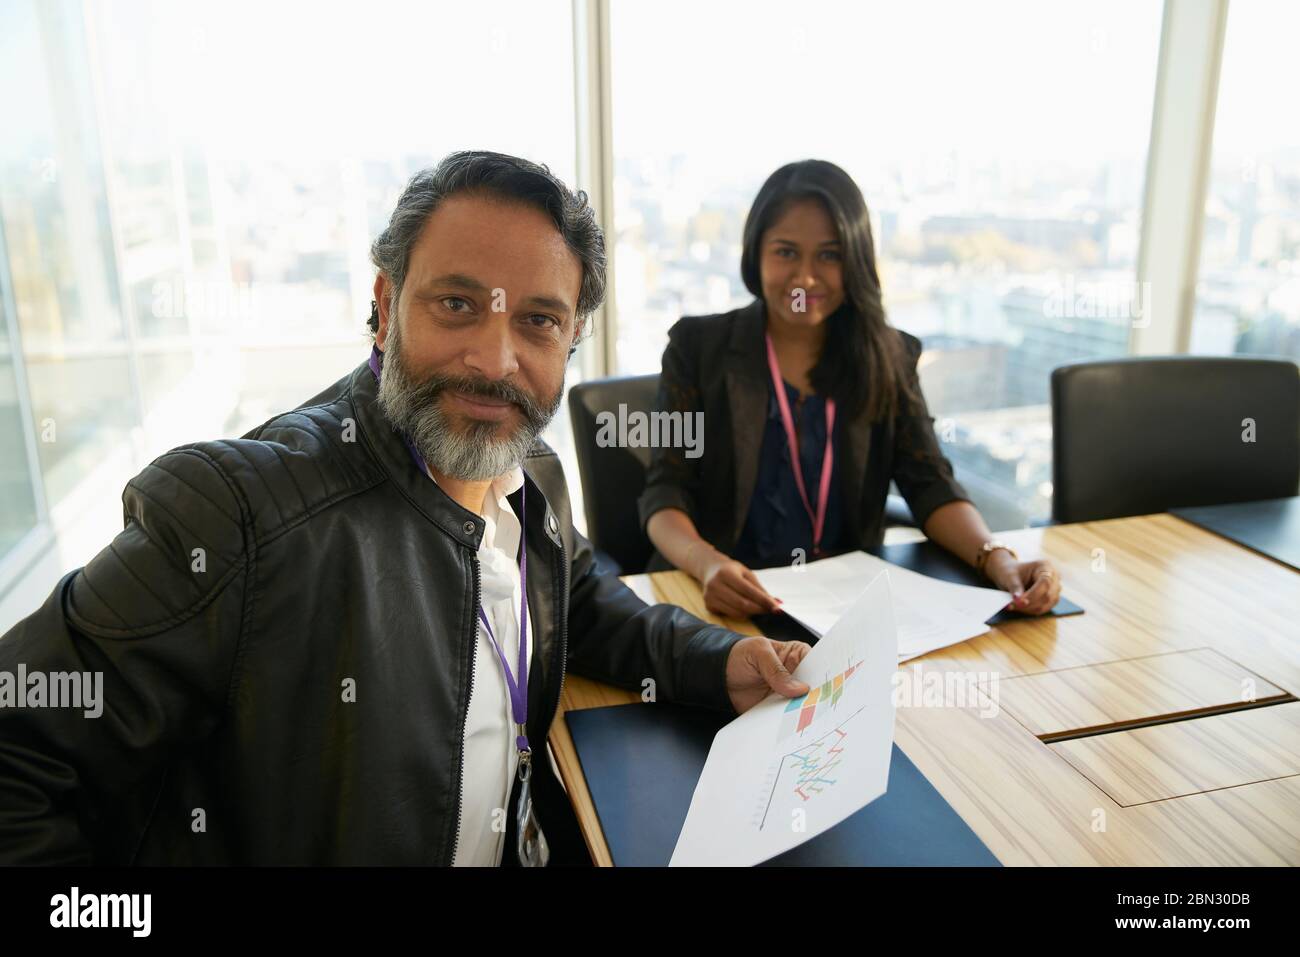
613	478
1140	435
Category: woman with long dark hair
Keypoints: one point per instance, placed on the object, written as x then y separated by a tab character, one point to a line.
811	366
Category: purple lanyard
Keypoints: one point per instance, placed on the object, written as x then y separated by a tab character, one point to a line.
518	688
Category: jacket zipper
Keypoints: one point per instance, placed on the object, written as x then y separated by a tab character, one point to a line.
464	718
564	656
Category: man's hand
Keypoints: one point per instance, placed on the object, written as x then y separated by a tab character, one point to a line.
758	666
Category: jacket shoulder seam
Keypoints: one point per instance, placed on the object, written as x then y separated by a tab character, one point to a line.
145	631
185	614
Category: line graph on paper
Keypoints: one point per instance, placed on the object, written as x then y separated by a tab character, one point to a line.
805	715
811	769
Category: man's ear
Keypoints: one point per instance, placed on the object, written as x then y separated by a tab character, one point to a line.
578	327
380	307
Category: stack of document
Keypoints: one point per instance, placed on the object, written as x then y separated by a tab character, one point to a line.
930	613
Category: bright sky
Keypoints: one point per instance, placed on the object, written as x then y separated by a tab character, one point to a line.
821	78
286	77
731	83
1259	79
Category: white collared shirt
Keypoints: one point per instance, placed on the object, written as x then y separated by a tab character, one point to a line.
490	758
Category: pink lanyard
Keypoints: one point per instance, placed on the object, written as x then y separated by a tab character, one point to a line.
828	456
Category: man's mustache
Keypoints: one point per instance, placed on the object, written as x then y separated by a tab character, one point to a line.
434	385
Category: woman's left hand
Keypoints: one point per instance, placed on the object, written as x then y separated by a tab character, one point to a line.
1034	586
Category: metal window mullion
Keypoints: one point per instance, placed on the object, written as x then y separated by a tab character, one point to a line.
1178	171
595	160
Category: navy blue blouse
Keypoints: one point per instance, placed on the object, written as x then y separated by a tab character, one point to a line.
777	522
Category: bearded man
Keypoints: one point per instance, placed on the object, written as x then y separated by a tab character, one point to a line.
341	639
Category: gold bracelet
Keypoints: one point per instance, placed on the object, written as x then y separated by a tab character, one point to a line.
987	549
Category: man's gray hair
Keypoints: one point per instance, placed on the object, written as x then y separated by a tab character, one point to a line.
505	176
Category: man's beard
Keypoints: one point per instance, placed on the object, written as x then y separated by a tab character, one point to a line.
415	408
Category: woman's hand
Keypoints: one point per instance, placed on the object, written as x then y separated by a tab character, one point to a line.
733	590
1034	586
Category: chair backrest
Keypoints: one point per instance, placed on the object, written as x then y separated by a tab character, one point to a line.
1146	434
613	477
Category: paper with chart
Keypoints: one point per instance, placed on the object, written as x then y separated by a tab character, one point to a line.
930	613
790	768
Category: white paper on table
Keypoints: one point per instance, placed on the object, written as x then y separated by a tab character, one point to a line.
930	613
790	768
644	590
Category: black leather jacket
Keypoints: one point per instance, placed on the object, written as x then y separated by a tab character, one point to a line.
327	561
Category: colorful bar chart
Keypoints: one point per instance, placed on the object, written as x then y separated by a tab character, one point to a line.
804	712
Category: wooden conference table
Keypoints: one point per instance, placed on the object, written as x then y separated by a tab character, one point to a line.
1161	727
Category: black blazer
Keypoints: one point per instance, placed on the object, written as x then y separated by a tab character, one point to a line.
718	365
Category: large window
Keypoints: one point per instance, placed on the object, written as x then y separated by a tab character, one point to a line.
188	192
55	213
18	514
1001	149
253	165
1248	293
